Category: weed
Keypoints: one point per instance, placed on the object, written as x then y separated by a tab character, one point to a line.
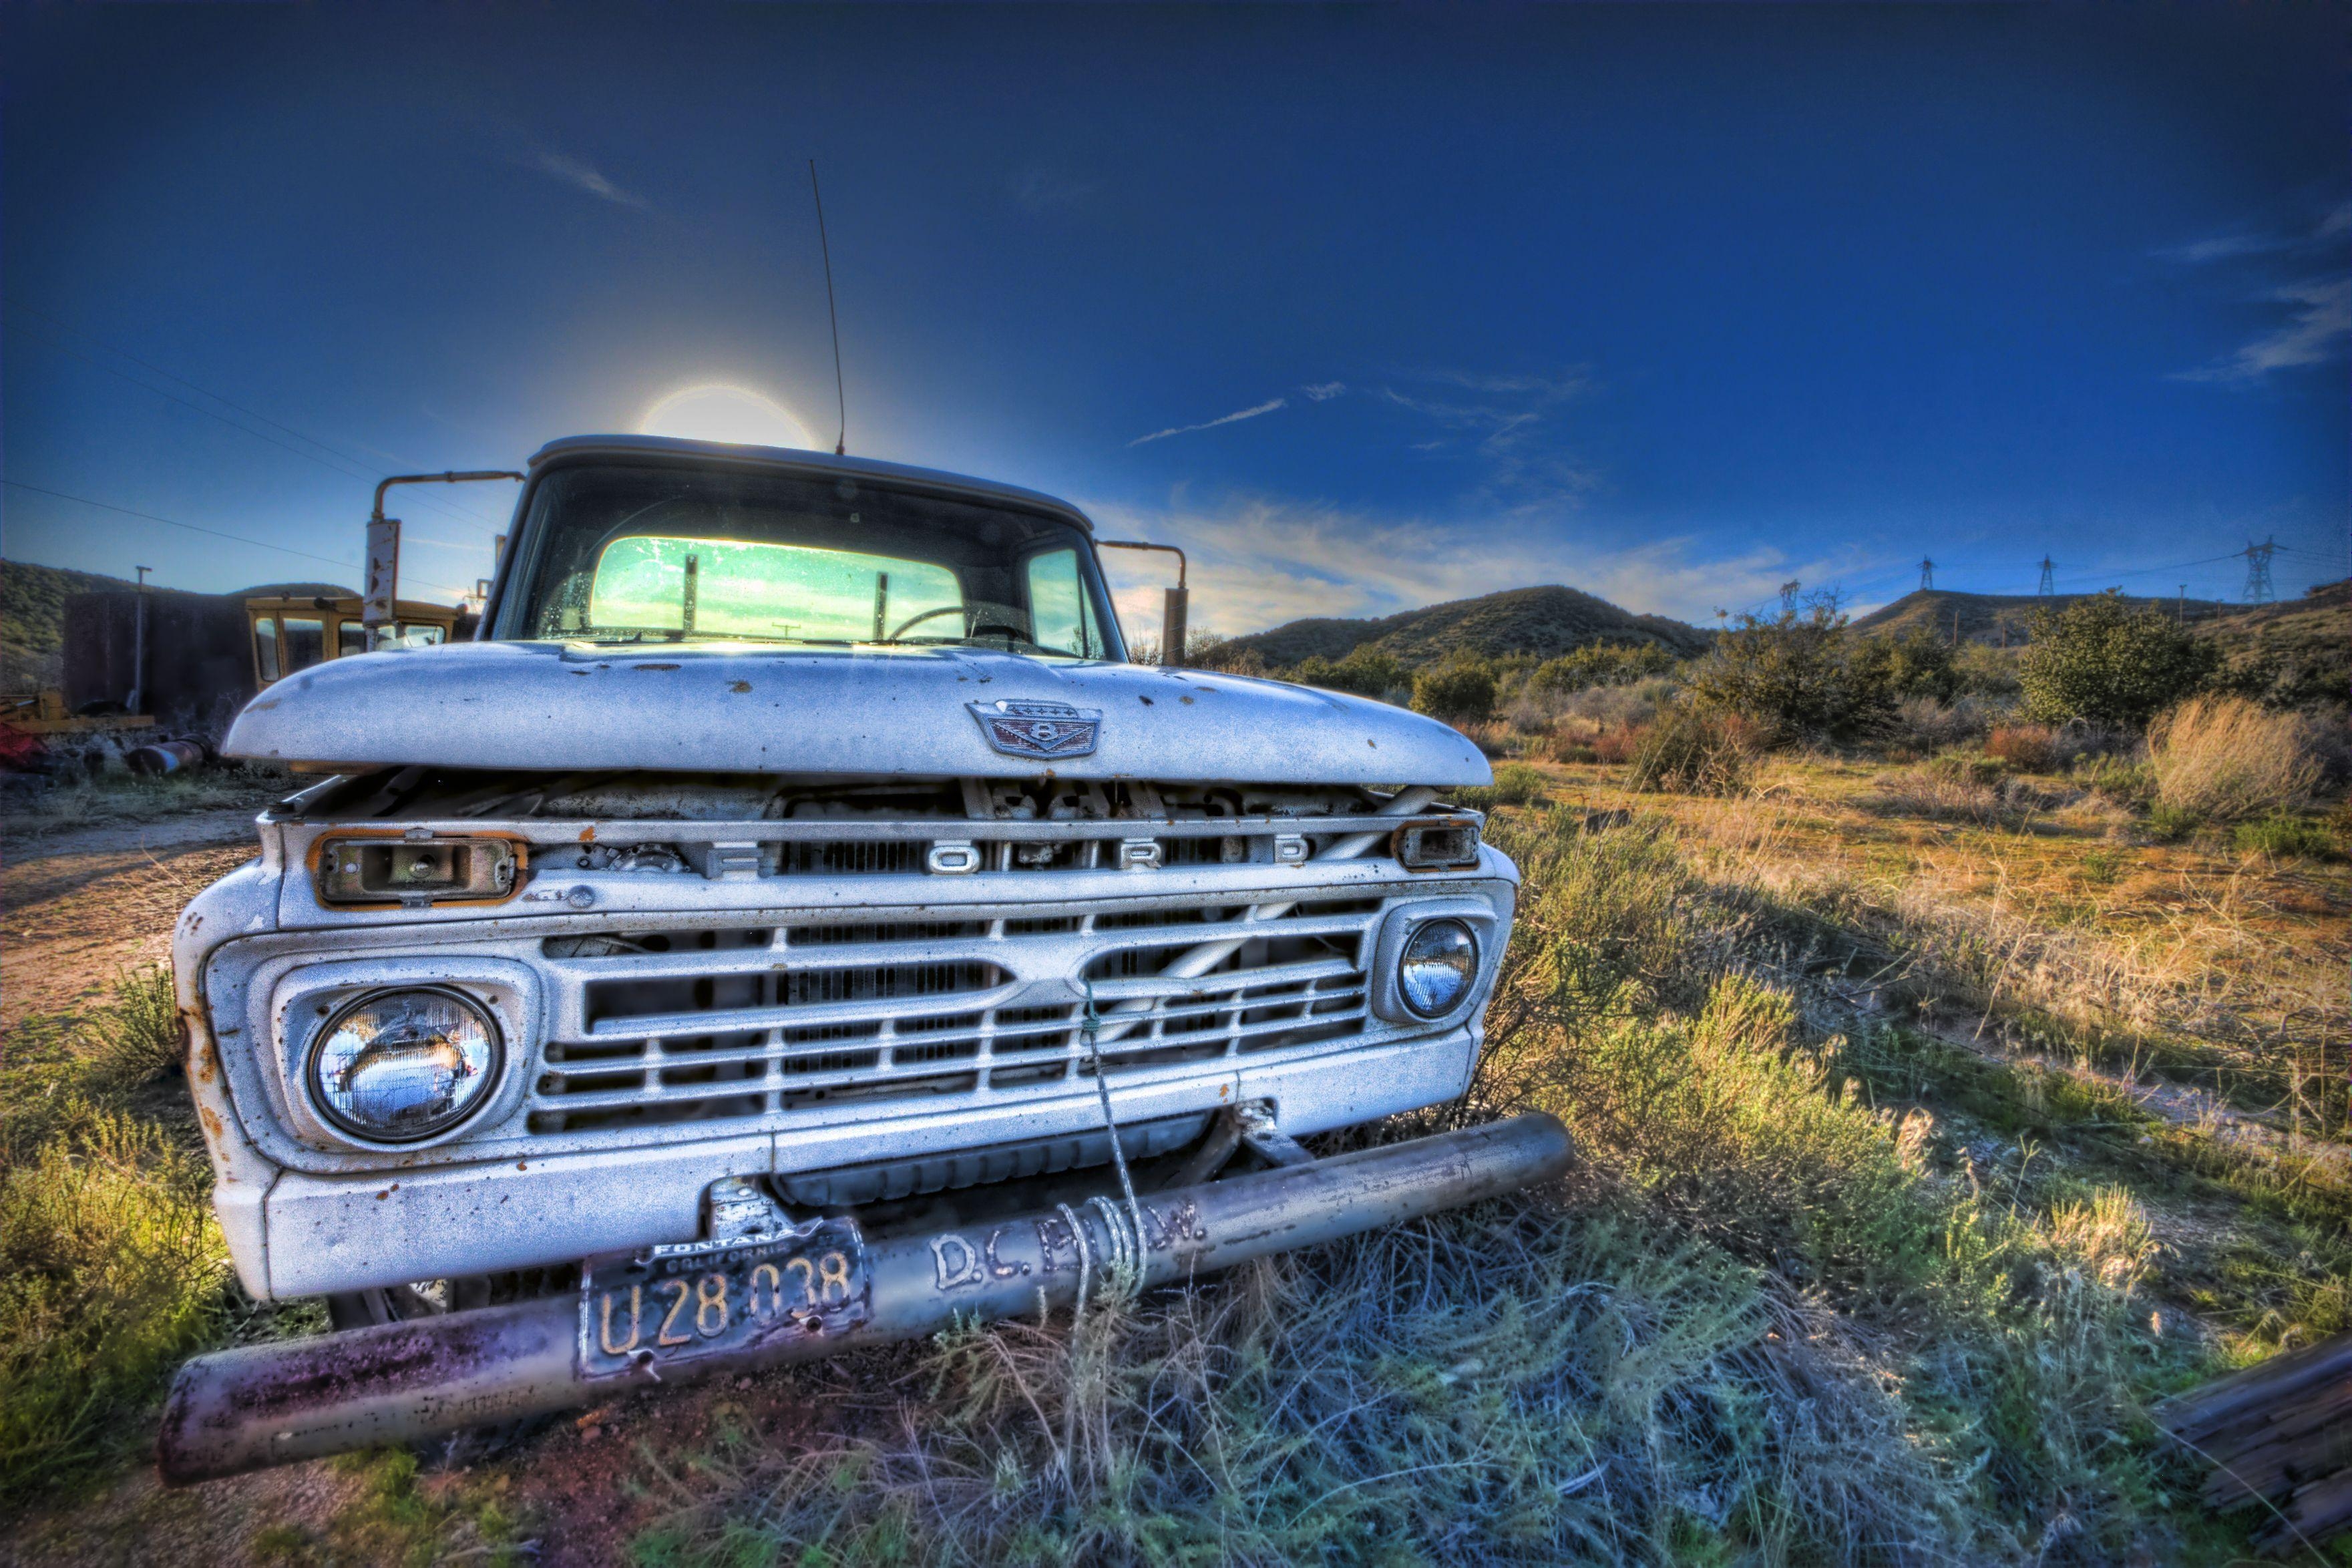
2169	823
2287	837
110	1270
2119	782
135	1036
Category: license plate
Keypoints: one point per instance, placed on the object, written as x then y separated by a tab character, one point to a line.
641	1311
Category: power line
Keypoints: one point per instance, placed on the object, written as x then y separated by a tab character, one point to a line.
192	528
360	469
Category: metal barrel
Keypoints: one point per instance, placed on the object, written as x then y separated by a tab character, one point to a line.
244	1409
165	757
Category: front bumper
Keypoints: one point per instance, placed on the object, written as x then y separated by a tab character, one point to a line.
342	1233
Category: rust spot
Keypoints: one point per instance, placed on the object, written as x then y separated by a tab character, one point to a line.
741	686
1184	699
522	1166
588	834
653	666
212	1121
335	1370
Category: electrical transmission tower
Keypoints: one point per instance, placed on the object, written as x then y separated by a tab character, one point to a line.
2048	584
1927	574
2258	573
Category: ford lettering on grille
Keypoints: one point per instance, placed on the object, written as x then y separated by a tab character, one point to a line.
1045	730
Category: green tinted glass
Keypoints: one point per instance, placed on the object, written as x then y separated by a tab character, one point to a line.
716	587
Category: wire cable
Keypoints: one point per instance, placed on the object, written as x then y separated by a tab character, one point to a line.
194	527
361	468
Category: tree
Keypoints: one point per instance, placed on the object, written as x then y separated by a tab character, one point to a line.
2109	662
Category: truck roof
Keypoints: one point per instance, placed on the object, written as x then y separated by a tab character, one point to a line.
791	460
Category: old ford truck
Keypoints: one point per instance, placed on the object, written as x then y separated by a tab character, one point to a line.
796	862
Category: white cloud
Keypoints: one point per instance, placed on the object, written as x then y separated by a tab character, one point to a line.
1037	189
2197	253
2321	318
1324	391
582	176
1233	418
1256	563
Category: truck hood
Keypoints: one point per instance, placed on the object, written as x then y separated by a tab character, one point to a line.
554	707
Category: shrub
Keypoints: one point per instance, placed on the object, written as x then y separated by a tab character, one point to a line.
1366	672
1516	784
2106	662
1619	743
1917	664
1693	751
2028	748
2171	824
1460	689
1804	674
1600	664
2287	839
2227	760
1924	725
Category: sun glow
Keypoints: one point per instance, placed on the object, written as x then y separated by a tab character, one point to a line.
732	414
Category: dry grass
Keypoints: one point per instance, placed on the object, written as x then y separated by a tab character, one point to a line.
2227	760
1761	1328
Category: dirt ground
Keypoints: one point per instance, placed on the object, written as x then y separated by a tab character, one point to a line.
80	904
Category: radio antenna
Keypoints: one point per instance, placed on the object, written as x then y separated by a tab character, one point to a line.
840	398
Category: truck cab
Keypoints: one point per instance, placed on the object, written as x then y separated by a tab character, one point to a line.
794	844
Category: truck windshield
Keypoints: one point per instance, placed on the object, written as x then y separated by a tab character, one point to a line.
629	553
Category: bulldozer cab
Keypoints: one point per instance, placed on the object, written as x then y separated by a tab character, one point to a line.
293	632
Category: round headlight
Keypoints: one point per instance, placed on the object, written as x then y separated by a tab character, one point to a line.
397	1065
1435	972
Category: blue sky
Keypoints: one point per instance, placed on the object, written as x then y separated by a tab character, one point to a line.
1367	309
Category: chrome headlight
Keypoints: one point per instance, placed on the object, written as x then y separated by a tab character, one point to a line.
397	1065
1435	970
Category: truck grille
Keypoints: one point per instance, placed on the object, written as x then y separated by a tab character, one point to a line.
742	1024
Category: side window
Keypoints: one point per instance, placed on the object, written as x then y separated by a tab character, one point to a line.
1061	614
350	637
306	642
264	647
410	634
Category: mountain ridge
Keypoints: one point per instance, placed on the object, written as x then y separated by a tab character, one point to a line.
1546	621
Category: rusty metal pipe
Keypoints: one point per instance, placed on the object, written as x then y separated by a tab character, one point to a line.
244	1409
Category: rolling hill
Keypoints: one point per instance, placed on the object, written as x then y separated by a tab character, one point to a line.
32	619
1546	622
1984	616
